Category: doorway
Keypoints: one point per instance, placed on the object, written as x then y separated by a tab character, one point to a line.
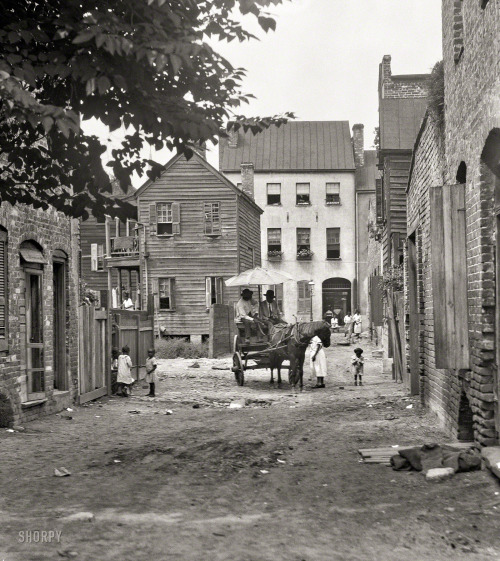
414	316
59	280
337	297
34	335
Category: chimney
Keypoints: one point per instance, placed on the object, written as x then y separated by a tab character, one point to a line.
358	144
232	141
247	179
386	68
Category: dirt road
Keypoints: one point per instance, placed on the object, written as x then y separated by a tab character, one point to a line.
278	479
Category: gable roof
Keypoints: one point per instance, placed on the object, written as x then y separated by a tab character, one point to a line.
294	146
400	121
208	167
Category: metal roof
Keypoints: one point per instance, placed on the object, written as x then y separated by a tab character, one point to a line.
400	121
295	146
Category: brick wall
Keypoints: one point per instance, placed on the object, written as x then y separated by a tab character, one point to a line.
51	230
400	86
472	98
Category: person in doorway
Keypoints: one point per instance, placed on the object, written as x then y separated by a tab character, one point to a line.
357	326
348	327
335	323
124	378
151	366
358	364
318	362
127	302
268	309
246	313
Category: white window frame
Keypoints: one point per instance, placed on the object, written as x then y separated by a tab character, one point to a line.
166	287
214	293
273	189
212	219
333	193
302	190
164	216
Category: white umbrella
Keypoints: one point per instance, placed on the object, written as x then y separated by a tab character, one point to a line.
258	276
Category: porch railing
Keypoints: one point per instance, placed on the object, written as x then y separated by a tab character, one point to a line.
125	246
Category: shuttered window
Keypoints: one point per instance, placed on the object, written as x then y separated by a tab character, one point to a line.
165	219
212	219
213	290
3	291
449	276
274	239
304	297
333	243
96	257
379	200
333	193
166	293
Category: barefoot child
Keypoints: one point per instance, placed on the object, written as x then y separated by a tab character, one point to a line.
124	377
358	362
151	366
318	362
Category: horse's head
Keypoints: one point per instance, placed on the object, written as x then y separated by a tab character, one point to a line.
324	333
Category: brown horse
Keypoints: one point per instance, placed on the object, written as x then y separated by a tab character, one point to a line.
291	343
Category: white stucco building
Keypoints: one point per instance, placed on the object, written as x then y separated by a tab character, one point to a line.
303	175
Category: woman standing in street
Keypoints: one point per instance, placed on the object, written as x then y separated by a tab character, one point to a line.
318	362
348	327
356	320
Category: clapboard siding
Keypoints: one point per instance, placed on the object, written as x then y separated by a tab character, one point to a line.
191	256
92	232
249	236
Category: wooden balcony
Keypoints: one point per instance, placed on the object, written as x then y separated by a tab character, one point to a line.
124	252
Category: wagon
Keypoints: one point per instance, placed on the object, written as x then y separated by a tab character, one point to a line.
258	352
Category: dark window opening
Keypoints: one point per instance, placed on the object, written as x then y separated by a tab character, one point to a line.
274	193
465	420
462	173
333	243
303	193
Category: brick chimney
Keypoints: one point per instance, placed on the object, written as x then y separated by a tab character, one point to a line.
386	68
247	179
358	144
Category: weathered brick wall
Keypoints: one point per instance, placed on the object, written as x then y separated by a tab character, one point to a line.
402	86
440	390
51	230
472	86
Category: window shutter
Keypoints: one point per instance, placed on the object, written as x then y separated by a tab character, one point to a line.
152	221
220	285
172	294
155	293
176	218
93	257
208	292
449	276
3	292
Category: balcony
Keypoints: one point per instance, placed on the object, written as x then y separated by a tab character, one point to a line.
125	246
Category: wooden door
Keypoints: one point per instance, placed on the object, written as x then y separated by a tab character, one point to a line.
59	282
414	317
35	363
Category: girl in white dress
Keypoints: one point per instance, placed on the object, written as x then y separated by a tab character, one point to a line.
318	362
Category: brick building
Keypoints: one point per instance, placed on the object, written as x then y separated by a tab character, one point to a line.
38	312
453	226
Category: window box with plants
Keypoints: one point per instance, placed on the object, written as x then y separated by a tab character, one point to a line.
274	255
304	254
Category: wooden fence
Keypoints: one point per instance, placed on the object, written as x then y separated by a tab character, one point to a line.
94	362
133	328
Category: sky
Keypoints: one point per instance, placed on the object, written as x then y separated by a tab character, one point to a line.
322	61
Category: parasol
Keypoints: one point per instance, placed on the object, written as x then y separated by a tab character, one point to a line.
258	276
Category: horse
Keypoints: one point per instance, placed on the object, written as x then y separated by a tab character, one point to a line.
290	344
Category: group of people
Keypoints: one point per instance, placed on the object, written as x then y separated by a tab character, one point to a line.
352	326
256	315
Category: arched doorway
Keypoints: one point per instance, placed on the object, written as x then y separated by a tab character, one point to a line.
337	297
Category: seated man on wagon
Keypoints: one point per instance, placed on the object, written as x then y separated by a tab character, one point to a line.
269	310
246	313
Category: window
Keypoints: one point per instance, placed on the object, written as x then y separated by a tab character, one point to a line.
274	240
304	297
34	335
213	290
96	257
212	219
303	193
333	243
274	193
333	193
379	200
303	239
3	291
164	219
166	293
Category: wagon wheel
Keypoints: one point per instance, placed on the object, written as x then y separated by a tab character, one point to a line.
237	344
238	369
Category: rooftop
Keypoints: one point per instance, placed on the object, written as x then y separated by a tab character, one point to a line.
295	146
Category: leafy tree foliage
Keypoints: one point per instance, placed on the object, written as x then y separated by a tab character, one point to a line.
143	64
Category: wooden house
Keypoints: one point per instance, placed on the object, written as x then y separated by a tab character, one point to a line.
195	230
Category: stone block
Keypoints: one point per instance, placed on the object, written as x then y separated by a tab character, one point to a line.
439	474
491	458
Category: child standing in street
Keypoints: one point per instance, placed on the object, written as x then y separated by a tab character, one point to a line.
318	362
151	366
124	377
358	362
